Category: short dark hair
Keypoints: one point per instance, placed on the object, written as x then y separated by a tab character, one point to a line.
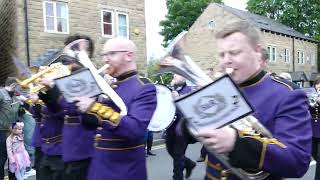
243	27
10	80
72	38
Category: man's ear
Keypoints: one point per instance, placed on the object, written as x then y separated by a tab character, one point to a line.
129	56
261	53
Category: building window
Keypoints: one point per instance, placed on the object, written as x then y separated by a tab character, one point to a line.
115	23
107	23
300	57
123	25
286	55
55	15
272	52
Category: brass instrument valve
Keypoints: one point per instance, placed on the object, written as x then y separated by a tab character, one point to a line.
105	112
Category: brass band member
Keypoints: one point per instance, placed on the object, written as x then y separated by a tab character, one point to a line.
279	105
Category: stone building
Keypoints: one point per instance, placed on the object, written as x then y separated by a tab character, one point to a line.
288	49
42	25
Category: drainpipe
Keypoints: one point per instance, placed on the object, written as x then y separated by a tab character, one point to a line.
26	32
293	68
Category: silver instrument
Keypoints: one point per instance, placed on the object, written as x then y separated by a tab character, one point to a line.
77	49
312	95
177	62
165	111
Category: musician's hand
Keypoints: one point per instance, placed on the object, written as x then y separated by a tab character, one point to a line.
83	103
34	97
218	140
47	81
175	94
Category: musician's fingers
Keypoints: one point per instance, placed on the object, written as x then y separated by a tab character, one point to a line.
205	133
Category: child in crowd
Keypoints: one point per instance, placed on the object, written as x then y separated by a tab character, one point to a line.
17	154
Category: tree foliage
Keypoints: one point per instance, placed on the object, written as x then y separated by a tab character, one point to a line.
181	15
157	78
301	15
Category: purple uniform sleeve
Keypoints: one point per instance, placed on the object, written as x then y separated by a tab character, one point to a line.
134	125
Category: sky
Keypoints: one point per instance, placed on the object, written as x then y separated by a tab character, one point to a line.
155	12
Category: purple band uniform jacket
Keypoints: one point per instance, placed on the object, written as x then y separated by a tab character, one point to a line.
36	136
51	132
120	152
283	110
77	141
315	113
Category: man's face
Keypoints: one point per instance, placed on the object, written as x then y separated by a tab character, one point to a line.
235	51
12	86
178	80
115	58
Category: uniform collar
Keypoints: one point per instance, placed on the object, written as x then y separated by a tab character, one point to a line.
254	80
126	75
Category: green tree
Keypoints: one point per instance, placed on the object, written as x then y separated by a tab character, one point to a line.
154	76
301	15
181	15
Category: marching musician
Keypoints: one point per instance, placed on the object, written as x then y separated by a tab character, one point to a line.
176	143
119	152
35	108
279	105
315	113
77	140
51	164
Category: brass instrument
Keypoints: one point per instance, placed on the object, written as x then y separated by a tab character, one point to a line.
177	62
313	101
55	70
312	95
78	49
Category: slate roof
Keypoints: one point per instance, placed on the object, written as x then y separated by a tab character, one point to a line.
298	76
265	23
313	76
45	58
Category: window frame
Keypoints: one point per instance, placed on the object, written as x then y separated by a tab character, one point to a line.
287	58
269	48
300	55
54	3
112	23
118	25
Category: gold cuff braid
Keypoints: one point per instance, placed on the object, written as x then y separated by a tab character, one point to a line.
105	112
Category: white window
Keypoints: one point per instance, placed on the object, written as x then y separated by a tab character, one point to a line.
107	23
286	55
55	15
300	57
123	25
272	52
114	24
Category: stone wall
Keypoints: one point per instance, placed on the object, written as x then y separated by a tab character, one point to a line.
84	18
7	35
200	43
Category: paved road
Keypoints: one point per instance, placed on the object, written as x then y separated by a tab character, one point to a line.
160	166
